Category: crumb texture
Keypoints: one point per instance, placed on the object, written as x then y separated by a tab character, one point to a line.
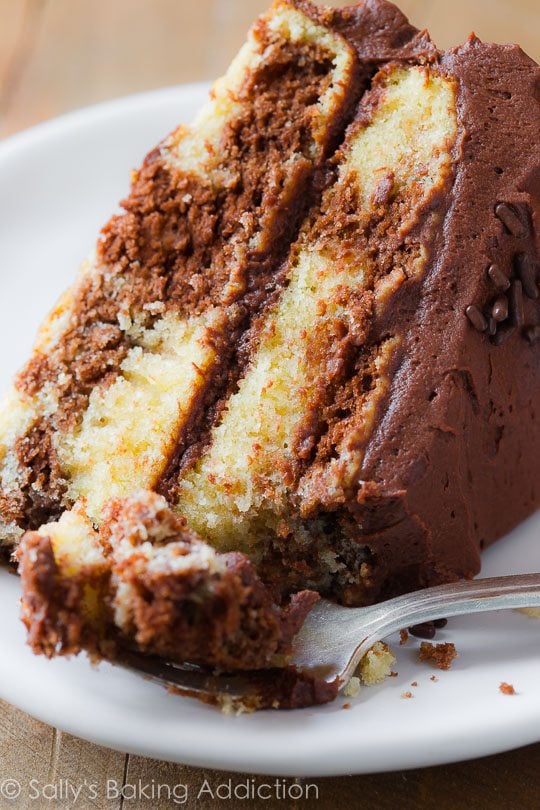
377	664
441	656
147	579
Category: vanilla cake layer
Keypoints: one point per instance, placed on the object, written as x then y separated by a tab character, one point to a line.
129	428
131	356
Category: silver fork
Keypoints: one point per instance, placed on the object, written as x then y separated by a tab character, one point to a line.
334	639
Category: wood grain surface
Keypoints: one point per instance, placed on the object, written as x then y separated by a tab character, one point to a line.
57	55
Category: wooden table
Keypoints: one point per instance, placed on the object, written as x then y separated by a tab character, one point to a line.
56	55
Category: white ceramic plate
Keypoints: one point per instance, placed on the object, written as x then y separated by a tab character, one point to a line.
58	184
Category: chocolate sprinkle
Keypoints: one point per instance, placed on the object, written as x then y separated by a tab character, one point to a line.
440	623
424	630
516	303
498	278
492	327
476	318
512	219
527	270
500	309
532	333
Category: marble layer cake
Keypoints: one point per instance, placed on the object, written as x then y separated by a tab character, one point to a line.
304	358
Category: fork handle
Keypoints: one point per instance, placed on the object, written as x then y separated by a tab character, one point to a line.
445	601
460	598
343	635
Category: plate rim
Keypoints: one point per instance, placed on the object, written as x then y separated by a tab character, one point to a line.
444	748
99	109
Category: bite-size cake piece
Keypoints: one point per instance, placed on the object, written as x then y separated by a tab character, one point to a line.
147	581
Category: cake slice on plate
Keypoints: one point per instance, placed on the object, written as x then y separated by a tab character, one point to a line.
304	359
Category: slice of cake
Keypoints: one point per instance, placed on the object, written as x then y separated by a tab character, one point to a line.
304	358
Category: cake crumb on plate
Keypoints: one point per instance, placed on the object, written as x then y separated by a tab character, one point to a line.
353	687
507	689
377	663
440	655
533	613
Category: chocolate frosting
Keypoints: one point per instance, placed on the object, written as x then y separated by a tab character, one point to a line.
378	30
455	461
